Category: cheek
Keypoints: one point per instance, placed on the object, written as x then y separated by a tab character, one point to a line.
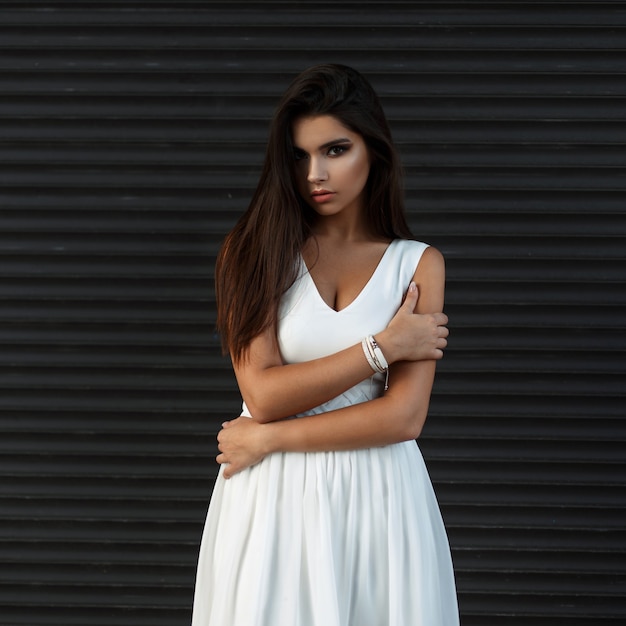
359	161
359	170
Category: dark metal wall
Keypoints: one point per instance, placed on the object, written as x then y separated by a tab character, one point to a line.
131	135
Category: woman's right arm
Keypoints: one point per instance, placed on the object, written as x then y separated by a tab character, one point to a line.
273	390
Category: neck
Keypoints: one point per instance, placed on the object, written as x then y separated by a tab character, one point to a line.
345	226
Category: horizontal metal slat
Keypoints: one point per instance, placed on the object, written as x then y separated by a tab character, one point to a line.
370	61
510	409
528	604
192	357
494	518
97	596
142	534
539	271
557	540
108	466
603	472
96	330
488	315
85	288
93	552
103	82
107	399
529	293
426	207
519	248
285	13
102	487
118	510
293	36
115	244
486	446
79	222
203	421
82	574
546	423
17	615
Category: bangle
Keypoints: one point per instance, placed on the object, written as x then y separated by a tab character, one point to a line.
375	357
369	356
378	353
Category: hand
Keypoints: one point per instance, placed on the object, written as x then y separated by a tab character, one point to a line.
412	336
241	445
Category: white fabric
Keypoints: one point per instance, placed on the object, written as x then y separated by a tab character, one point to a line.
330	538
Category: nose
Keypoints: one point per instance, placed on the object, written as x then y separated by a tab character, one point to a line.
317	171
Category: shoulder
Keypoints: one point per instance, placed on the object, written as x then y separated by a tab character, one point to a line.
425	262
432	257
402	259
410	245
417	254
430	278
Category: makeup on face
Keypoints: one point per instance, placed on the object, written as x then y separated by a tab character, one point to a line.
332	164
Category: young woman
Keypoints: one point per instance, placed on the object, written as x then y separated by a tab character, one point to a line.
323	513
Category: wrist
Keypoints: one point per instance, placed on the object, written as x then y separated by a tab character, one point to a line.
270	440
385	343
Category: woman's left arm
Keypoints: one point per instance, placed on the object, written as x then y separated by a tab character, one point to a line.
398	415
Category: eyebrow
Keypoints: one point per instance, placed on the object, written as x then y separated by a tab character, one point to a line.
328	144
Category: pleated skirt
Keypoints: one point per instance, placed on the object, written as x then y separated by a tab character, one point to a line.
326	539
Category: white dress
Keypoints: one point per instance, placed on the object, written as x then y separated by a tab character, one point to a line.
330	538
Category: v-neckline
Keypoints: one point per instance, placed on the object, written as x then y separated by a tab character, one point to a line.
361	292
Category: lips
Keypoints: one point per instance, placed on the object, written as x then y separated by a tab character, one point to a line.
322	195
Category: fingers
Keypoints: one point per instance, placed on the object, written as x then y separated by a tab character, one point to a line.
441	319
441	334
410	299
229	469
440	345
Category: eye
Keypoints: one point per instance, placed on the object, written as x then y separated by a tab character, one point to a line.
337	150
298	154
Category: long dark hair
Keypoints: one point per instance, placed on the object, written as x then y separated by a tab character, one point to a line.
258	261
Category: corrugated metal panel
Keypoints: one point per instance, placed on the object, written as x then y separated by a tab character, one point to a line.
131	135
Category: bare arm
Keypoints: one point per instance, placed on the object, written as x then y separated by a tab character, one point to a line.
399	415
273	390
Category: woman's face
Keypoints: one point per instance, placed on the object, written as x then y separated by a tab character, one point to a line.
332	165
